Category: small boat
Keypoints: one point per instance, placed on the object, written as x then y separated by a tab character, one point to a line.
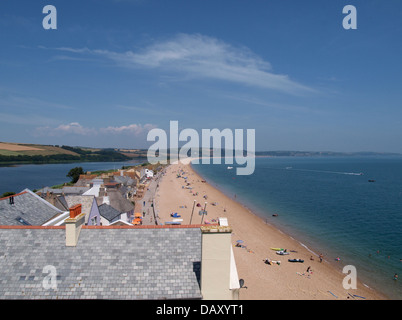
277	249
230	168
282	253
275	215
296	260
371	181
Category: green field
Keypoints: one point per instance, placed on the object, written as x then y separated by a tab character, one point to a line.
44	150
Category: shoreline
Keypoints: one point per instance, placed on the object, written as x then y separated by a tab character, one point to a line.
299	237
286	232
287	281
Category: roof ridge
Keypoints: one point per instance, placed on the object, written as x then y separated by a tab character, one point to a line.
13	195
43	200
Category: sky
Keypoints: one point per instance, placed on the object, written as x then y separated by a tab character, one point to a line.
115	69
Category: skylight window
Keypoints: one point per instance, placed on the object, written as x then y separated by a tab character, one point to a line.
20	220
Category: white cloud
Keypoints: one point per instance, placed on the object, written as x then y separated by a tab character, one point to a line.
64	129
201	56
77	129
136	129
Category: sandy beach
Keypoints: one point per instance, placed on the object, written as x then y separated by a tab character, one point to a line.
284	281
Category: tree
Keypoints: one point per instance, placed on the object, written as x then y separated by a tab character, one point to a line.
6	194
74	174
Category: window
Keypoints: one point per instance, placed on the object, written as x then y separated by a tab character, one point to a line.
94	221
22	221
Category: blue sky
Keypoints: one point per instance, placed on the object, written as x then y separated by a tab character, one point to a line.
114	69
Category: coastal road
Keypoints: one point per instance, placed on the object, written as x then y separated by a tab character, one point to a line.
144	205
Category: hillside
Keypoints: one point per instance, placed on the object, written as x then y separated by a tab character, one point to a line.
133	153
15	149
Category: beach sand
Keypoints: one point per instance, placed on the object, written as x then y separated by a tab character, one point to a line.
287	281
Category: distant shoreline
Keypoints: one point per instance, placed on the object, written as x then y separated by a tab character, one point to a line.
16	163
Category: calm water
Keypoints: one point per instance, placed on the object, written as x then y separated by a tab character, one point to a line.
325	204
37	176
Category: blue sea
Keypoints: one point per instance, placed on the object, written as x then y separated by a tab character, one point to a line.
36	176
329	205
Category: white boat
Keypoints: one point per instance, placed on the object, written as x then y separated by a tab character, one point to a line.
230	168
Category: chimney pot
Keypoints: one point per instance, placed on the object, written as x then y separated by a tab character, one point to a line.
75	210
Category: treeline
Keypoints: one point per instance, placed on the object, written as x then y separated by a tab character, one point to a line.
105	155
76	150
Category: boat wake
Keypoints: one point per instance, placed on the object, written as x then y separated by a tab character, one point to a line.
323	171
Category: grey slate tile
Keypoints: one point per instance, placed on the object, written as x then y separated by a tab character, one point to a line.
106	264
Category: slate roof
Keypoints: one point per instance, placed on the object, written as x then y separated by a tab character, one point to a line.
108	263
118	202
65	190
86	202
108	212
125	180
28	209
57	200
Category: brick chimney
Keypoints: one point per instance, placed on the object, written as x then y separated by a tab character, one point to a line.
73	225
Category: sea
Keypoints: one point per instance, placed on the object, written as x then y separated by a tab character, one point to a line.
16	178
343	207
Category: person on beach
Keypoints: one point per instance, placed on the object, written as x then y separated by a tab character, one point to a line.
320	257
395	276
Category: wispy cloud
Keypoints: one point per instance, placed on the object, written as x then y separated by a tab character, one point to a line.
250	100
199	56
67	58
75	128
149	109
